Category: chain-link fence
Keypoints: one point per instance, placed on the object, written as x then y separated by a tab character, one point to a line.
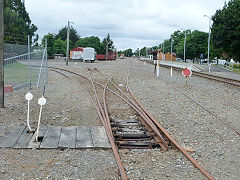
24	65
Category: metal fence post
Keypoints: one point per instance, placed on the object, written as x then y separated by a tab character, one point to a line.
29	61
40	71
46	68
1	54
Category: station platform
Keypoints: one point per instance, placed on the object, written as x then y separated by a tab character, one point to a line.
50	137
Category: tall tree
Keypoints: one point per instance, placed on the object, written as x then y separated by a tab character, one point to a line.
92	41
73	35
50	44
226	31
17	22
107	42
196	44
59	46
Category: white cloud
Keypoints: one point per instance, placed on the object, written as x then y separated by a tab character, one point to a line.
131	23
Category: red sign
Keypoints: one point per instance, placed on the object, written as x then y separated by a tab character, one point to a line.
186	72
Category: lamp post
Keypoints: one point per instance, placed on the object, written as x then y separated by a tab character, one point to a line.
184	51
208	34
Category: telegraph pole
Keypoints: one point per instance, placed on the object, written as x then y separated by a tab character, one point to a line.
107	50
1	54
67	53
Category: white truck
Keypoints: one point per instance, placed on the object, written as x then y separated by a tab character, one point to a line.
88	54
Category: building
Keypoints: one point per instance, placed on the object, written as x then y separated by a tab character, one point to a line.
158	55
76	53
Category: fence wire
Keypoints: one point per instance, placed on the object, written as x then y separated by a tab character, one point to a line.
22	68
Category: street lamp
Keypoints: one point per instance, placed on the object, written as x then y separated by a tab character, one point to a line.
184	51
208	34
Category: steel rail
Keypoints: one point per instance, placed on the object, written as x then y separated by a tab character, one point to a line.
209	76
163	144
213	114
146	120
192	160
95	105
108	131
114	147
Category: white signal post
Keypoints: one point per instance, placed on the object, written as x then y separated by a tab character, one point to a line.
41	102
28	97
158	68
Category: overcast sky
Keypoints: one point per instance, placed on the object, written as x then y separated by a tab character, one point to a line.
131	23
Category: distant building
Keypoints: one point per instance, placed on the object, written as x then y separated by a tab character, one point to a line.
158	55
76	53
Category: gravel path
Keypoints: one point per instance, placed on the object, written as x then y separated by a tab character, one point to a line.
215	146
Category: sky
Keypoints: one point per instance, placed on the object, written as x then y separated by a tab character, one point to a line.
130	23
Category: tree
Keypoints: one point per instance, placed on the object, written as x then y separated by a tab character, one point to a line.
73	35
50	44
226	31
107	42
59	46
128	52
92	41
196	44
17	22
143	51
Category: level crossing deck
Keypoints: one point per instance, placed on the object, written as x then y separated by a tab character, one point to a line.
50	137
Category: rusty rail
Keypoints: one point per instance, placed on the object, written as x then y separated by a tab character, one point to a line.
136	106
145	119
195	163
104	122
210	76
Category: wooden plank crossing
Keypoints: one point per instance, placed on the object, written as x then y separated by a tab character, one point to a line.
23	140
36	144
68	137
10	138
50	137
99	137
84	137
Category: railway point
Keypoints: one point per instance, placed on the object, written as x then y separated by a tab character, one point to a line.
121	90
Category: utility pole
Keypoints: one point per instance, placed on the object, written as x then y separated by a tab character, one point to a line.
67	52
1	54
106	50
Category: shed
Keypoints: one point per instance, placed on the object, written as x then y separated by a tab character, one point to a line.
76	53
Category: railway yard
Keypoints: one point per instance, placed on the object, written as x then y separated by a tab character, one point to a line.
200	118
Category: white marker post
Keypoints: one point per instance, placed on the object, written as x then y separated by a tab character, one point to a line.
209	67
171	71
41	102
158	68
28	97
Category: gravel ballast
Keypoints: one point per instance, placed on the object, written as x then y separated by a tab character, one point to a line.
214	146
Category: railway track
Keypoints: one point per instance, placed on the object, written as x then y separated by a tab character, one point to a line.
225	80
142	131
229	81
